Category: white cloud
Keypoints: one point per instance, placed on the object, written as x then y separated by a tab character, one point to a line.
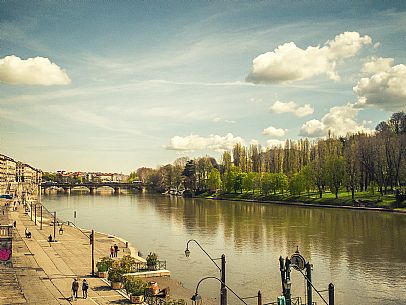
304	110
274	132
254	142
376	65
283	107
31	71
219	119
339	121
289	62
313	128
196	142
275	142
347	45
385	89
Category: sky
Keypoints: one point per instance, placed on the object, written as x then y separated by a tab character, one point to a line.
116	85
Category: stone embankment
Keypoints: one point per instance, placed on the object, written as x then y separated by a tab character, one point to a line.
42	271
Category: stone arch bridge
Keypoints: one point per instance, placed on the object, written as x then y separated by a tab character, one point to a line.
92	186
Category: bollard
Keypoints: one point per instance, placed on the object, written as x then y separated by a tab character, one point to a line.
331	294
259	297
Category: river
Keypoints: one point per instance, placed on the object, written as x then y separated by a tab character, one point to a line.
362	253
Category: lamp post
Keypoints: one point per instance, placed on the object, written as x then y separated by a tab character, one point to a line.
222	269
55	226
40	225
197	299
92	243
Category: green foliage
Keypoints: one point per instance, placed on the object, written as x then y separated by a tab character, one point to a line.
267	183
214	180
248	182
115	274
297	184
357	161
152	260
335	173
127	263
104	264
135	286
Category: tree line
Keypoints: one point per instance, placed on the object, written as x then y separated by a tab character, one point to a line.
355	163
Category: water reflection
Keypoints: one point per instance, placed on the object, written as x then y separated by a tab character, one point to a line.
361	252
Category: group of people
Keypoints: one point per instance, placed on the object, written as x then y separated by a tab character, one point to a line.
114	250
75	288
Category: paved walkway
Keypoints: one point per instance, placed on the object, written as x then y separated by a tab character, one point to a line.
43	272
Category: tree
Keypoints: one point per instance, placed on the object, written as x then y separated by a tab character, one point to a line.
214	180
352	167
248	181
266	183
282	182
297	184
189	173
335	167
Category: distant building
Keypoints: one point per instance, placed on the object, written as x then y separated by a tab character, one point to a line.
14	174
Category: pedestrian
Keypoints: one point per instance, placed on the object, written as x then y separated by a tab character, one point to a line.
75	288
15	224
85	286
111	251
115	250
50	238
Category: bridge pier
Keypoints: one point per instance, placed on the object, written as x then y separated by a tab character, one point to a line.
92	190
116	190
66	190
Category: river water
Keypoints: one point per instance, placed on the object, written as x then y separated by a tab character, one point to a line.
362	253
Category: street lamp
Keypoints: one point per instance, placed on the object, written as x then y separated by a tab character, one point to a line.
222	269
54	226
197	299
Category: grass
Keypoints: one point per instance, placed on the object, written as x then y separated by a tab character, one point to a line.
373	198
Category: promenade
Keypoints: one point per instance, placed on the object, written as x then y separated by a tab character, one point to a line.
43	272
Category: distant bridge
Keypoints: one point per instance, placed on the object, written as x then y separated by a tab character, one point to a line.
92	186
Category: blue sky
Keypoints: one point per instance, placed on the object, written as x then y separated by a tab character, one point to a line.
113	86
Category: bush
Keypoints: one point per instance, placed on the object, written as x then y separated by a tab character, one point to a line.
127	263
115	274
104	264
152	260
135	286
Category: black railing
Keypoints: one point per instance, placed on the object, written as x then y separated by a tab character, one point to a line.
142	266
153	300
294	301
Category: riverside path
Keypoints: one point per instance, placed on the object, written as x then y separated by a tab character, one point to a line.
43	272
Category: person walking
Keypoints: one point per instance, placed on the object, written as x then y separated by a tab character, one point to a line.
111	252
85	287
75	288
115	250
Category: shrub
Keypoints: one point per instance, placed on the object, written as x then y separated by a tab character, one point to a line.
104	264
152	260
115	274
135	286
127	263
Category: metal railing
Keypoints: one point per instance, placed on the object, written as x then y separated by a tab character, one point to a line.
153	300
294	301
143	266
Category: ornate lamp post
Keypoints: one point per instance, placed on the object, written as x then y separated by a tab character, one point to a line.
222	269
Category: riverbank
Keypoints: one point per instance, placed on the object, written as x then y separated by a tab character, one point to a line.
366	204
43	271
